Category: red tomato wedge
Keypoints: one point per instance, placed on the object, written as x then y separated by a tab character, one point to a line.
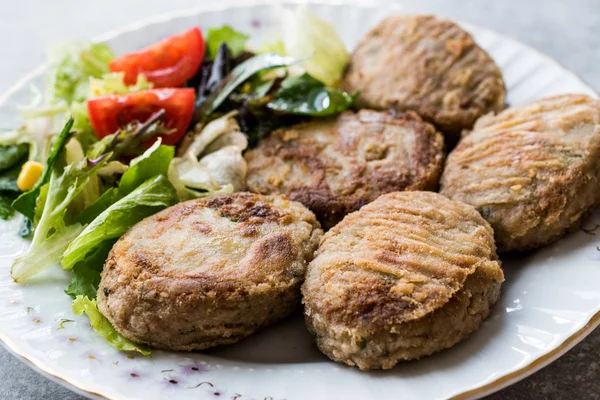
168	63
109	113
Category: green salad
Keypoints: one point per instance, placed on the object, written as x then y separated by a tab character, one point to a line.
113	139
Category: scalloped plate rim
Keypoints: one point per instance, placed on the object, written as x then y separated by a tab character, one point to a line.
533	366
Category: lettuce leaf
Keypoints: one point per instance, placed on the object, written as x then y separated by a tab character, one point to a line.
149	198
26	203
304	34
12	158
104	201
9	189
154	161
53	232
100	324
6	211
87	254
71	66
305	95
81	125
53	208
236	77
85	276
12	154
236	41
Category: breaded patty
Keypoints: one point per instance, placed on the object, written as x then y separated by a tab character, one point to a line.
407	275
334	166
208	271
431	66
532	171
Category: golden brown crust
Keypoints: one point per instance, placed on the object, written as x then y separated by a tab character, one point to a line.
532	171
388	267
334	166
431	66
208	271
368	349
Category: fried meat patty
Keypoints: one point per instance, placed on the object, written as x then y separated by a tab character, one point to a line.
208	271
532	171
334	166
431	66
407	275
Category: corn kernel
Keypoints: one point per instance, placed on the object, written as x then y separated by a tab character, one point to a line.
29	175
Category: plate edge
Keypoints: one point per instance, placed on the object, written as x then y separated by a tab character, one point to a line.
475	393
534	366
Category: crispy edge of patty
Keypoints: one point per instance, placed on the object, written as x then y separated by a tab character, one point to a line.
452	103
146	302
329	206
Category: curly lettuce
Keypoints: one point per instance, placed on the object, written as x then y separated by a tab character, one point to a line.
62	195
55	229
71	66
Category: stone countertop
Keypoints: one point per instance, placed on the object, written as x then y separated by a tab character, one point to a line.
566	30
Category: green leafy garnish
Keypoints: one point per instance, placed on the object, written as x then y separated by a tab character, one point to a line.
71	66
143	191
81	125
239	75
114	83
8	192
154	161
62	322
12	158
225	34
305	95
6	211
53	232
149	198
26	203
305	35
53	209
85	276
11	155
100	324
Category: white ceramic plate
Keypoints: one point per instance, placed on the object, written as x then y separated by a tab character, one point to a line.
550	299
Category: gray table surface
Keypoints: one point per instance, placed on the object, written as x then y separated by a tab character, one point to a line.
566	30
